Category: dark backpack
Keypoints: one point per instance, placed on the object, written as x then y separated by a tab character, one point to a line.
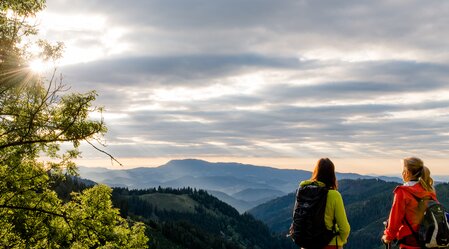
308	229
434	228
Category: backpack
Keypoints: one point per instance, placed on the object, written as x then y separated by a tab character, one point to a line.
308	229
433	229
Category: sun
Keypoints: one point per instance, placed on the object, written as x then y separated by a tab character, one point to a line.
39	66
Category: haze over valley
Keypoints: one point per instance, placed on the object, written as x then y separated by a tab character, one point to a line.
240	185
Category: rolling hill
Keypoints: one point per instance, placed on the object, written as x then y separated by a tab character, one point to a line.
240	185
188	218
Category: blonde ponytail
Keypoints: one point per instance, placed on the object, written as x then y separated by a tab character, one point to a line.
419	172
425	179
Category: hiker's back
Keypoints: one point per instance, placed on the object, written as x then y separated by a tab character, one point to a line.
422	223
433	229
308	227
319	212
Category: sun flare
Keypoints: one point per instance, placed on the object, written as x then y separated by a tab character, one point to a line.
39	66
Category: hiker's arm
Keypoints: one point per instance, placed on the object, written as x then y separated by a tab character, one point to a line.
341	219
396	216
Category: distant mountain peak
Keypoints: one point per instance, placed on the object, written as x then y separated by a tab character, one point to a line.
194	160
185	162
199	162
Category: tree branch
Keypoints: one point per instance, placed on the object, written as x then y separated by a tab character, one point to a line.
102	151
17	143
34	210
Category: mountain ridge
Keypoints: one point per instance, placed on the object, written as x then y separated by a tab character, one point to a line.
225	177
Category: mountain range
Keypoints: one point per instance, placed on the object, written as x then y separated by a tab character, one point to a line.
190	217
242	186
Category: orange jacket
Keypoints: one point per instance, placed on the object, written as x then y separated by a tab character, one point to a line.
405	206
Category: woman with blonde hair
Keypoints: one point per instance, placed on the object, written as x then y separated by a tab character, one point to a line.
405	214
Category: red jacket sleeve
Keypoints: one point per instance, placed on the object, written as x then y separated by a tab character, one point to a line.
397	214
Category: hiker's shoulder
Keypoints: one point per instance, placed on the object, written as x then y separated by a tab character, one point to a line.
311	182
415	190
333	194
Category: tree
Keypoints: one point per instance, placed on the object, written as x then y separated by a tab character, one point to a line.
37	116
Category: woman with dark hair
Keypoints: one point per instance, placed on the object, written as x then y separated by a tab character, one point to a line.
405	208
324	181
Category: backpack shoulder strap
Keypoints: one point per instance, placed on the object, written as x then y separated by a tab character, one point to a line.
415	233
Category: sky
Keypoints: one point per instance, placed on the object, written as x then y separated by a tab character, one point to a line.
273	83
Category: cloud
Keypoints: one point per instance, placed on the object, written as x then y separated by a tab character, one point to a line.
344	28
373	128
266	78
175	70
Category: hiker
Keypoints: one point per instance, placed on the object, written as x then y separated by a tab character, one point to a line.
328	229
406	208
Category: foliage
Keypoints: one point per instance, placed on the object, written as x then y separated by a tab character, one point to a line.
212	223
35	119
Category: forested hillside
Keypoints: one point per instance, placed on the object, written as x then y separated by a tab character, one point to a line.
367	204
188	218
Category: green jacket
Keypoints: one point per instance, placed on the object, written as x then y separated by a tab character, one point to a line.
334	205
